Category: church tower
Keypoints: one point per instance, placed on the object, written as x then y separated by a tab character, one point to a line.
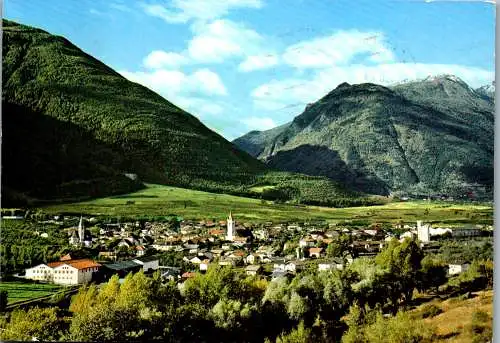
230	227
81	230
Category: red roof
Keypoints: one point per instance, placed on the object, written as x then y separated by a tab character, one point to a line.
66	257
216	232
315	250
188	275
78	264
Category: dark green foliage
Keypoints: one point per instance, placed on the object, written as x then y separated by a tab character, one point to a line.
22	247
429	136
3	299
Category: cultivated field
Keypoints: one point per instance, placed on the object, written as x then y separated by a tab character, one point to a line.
20	291
159	200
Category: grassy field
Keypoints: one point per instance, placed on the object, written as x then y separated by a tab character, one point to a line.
163	200
20	291
453	324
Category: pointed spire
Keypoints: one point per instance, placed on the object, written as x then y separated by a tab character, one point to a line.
230	215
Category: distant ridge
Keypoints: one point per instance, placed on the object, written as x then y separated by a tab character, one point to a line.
432	135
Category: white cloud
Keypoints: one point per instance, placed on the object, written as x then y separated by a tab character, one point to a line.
182	11
162	59
339	48
221	39
256	62
287	92
170	83
259	123
208	81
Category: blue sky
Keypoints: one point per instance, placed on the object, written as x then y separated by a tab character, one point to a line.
242	65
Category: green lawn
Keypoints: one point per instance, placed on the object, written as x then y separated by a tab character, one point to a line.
20	291
159	200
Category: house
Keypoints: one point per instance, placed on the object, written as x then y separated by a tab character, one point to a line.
148	262
252	259
227	262
139	250
170	273
306	242
204	264
188	275
335	264
315	252
107	255
68	272
465	232
120	268
279	273
457	268
253	269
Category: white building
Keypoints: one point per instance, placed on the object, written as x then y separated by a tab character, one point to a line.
454	269
423	232
72	272
148	262
230	228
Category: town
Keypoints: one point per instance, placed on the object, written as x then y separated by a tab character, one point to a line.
180	249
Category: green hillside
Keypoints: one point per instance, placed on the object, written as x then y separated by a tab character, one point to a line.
73	127
434	135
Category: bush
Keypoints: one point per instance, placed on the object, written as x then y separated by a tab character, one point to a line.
480	327
430	311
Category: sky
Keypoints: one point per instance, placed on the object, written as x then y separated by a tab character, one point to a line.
242	65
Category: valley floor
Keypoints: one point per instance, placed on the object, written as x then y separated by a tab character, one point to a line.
157	200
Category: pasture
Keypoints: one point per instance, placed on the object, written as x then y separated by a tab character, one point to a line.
157	200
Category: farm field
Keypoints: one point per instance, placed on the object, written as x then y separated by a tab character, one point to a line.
157	200
21	291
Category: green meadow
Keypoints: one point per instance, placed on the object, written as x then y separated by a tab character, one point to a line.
20	291
158	200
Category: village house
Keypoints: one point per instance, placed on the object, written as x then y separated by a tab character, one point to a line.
148	262
307	242
315	252
253	270
457	268
203	265
335	264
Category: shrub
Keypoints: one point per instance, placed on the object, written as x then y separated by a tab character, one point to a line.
430	311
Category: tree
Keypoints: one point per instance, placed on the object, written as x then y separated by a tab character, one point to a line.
297	335
402	262
40	323
432	274
4	295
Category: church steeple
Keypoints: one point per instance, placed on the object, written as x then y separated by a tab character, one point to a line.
230	227
81	230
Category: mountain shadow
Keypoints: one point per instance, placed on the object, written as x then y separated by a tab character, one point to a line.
322	161
46	158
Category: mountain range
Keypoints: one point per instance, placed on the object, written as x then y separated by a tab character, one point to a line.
432	135
75	128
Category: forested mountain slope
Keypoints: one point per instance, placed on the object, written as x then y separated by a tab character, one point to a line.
69	118
431	135
73	127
